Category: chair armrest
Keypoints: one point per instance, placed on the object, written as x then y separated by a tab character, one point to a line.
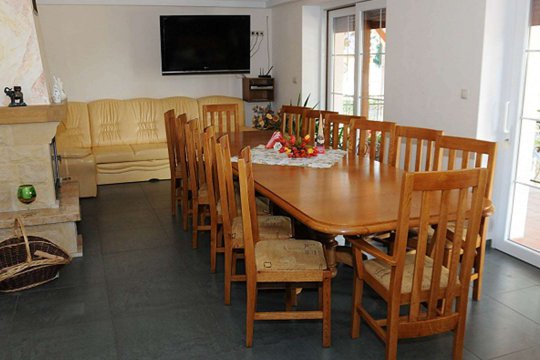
366	247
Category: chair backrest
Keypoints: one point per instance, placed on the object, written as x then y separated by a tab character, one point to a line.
312	118
226	183
180	141
418	145
293	120
336	130
372	138
210	168
455	196
170	131
195	167
453	152
224	117
250	224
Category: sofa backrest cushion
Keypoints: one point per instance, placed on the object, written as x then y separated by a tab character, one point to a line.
74	130
135	121
218	99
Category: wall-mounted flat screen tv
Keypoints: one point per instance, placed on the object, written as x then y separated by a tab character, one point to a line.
205	44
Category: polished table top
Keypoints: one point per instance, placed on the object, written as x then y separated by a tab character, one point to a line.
355	196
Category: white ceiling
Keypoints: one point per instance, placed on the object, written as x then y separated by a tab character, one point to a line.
217	3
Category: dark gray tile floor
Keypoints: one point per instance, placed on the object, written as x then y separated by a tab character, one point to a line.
141	292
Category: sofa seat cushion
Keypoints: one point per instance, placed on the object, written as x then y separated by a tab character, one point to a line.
113	154
289	255
75	153
380	271
150	151
270	228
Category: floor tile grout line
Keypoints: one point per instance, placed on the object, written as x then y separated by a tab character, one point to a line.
516	311
514	290
512	352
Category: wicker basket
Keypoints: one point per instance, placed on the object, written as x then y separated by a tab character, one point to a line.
28	261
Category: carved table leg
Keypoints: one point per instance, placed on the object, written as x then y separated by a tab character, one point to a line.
330	246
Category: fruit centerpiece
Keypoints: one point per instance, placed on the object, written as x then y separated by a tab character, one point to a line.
292	146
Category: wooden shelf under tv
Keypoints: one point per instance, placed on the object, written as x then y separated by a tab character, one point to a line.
258	89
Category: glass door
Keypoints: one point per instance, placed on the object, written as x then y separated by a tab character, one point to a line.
525	220
356	59
519	236
371	22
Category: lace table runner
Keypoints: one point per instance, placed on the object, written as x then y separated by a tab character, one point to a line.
261	155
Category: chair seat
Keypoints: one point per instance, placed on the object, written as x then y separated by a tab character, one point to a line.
178	173
263	205
380	271
203	191
289	255
270	228
450	230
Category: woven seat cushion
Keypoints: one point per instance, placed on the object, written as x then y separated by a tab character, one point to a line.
451	229
289	255
263	205
203	191
270	228
381	272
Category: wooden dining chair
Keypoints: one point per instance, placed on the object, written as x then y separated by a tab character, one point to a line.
223	117
176	174
270	227
372	138
296	263
461	153
336	130
180	142
423	296
196	179
414	148
293	120
314	117
210	167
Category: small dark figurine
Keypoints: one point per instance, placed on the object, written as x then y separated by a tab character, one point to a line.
15	95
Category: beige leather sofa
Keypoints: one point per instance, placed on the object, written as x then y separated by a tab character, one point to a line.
118	141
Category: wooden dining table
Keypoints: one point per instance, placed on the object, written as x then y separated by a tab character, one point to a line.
355	196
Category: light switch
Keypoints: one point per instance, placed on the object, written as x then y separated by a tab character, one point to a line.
464	94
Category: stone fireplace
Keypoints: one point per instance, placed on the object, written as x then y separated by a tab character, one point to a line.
25	137
26	133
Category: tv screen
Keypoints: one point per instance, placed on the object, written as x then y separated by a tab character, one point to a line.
196	44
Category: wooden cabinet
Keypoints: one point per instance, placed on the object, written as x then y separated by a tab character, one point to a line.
258	89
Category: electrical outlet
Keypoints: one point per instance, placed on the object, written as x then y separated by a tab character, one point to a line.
257	33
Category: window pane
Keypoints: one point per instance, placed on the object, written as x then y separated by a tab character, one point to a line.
531	104
343	64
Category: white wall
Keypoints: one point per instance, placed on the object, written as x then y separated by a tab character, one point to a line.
114	52
434	50
311	54
287	52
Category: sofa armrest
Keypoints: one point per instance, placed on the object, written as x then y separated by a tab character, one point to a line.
74	152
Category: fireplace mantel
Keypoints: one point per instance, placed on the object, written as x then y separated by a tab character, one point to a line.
32	114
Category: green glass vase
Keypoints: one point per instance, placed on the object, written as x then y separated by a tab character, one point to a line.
26	193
